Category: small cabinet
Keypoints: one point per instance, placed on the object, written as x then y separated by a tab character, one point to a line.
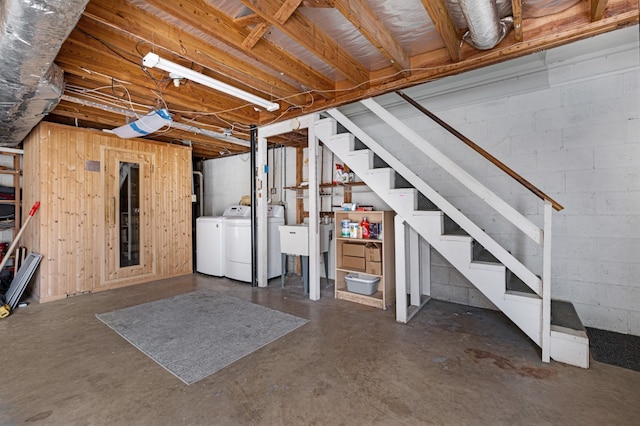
352	255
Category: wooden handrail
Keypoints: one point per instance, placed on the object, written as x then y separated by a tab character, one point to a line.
484	153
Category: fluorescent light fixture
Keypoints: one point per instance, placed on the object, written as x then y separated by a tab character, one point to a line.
152	60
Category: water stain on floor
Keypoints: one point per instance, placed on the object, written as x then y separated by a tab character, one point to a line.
506	364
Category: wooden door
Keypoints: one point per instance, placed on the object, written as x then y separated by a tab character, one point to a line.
128	224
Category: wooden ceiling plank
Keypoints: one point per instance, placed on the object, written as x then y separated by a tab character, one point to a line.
200	15
302	30
597	9
365	20
516	8
122	17
444	25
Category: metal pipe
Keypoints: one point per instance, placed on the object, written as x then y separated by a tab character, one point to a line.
254	204
486	30
180	126
200	192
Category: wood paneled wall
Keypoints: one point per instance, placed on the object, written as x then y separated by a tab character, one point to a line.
63	169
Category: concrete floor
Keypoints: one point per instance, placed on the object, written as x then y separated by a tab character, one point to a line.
350	365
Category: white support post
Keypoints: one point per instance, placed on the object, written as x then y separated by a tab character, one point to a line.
401	273
414	265
314	216
261	210
425	269
546	283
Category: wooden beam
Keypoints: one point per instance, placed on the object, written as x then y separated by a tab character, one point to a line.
139	26
437	10
516	8
306	33
433	69
286	10
365	20
81	51
201	16
248	20
597	9
315	4
255	35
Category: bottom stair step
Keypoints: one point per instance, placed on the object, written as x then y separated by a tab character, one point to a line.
569	341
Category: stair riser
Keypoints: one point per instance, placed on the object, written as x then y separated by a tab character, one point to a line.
360	161
569	349
325	129
403	202
382	178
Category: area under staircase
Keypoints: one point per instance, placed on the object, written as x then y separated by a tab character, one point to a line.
520	294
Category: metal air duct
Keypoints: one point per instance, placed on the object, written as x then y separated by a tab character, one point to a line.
31	34
487	21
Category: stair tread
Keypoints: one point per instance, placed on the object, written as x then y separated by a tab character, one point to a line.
563	314
459	231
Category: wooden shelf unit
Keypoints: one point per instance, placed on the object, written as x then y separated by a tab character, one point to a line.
346	195
385	296
16	173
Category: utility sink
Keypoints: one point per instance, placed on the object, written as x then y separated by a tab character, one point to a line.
294	239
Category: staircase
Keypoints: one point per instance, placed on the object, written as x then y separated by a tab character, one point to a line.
506	282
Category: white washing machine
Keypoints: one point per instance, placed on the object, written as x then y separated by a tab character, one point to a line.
238	244
210	240
210	245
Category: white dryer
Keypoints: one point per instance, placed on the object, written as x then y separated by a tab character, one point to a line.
238	244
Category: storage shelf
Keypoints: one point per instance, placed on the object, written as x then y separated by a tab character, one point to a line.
359	240
376	300
13	224
348	271
385	294
326	185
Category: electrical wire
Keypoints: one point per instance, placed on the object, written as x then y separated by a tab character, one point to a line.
158	93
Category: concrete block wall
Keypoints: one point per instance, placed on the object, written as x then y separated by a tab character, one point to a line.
567	120
226	180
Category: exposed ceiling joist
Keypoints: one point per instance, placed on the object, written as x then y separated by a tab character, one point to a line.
301	29
597	9
366	21
440	17
307	55
199	15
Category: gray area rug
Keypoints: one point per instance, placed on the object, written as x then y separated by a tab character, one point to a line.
196	334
